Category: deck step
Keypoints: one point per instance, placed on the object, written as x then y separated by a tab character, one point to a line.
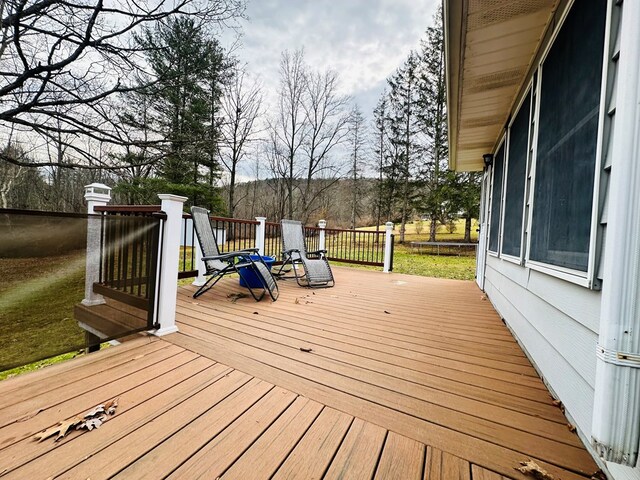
110	320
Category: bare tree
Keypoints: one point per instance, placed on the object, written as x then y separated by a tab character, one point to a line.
288	130
241	107
357	142
327	117
63	64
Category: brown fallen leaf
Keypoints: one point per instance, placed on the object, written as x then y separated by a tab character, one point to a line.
598	475
111	405
234	297
256	313
60	429
534	470
483	297
296	301
572	428
388	313
307	350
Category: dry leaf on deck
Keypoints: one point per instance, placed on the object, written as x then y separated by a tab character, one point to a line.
388	313
91	423
97	410
235	296
296	301
307	350
60	429
534	470
572	428
111	405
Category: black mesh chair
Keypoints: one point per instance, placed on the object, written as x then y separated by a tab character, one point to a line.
220	264
317	272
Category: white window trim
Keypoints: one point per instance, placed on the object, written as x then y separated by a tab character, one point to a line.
585	279
518	260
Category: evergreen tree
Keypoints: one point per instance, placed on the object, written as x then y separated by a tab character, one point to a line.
440	184
403	100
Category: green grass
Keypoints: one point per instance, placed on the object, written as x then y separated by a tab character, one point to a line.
37	296
30	367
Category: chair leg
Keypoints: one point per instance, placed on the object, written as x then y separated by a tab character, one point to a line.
257	298
206	285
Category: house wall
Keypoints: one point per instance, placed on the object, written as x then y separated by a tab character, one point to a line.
557	321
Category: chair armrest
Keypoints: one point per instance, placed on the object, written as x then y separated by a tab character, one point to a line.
317	252
291	250
228	255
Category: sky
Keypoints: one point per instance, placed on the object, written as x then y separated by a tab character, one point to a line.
363	40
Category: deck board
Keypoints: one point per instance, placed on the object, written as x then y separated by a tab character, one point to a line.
435	389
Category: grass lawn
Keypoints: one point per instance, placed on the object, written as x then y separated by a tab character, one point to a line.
410	261
37	296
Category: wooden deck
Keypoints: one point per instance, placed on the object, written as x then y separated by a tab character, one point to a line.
406	377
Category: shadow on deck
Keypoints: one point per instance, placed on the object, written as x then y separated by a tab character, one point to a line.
382	376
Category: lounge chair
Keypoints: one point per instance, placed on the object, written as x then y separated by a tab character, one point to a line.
317	272
220	264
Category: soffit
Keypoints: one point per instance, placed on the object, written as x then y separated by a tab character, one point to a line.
490	46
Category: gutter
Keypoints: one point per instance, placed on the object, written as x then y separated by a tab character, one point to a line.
616	412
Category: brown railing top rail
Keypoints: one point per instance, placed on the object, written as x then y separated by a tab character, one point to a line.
351	230
225	219
128	208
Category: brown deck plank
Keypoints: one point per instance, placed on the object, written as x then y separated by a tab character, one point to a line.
401	459
264	457
444	466
422	379
311	457
218	454
458	413
78	405
479	473
52	396
235	392
358	455
21	388
138	408
489	455
404	342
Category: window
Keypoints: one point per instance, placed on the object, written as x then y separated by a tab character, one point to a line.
567	136
496	199
515	180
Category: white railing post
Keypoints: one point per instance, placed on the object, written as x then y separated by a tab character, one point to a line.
388	247
95	194
322	224
168	264
260	234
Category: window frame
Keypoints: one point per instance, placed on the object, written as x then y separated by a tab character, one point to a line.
518	260
502	143
584	279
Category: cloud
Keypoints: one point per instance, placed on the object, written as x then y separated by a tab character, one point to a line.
364	40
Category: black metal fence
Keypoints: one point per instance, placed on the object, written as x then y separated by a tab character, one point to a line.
129	245
361	247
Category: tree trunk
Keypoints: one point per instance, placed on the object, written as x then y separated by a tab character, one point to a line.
467	229
433	227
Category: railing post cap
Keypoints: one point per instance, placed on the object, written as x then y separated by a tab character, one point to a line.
97	192
322	224
172	197
389	225
261	219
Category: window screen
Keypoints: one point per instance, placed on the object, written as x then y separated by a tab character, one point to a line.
496	199
516	177
568	124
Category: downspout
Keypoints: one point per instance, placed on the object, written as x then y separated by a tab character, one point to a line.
616	411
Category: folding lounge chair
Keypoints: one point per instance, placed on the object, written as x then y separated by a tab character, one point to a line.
317	272
220	264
